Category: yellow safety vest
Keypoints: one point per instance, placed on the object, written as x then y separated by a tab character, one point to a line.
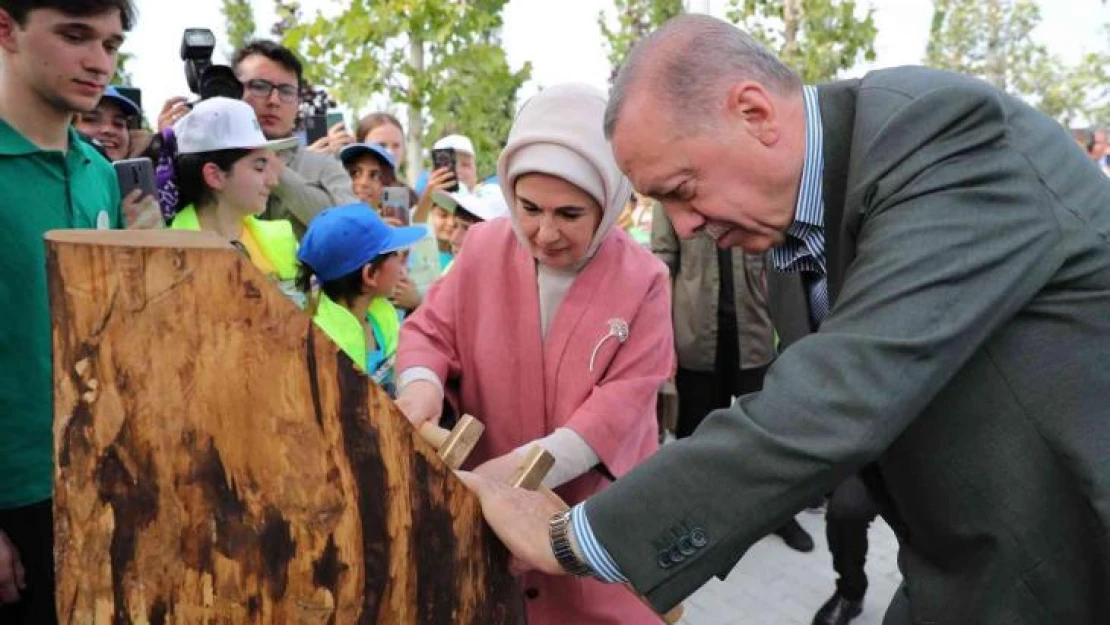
274	237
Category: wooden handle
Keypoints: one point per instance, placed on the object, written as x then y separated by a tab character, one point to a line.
456	444
537	463
434	434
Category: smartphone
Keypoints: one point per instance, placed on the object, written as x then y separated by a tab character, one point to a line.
135	173
395	203
446	157
315	128
333	118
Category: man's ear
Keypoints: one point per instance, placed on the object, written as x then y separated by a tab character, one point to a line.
751	107
8	28
214	177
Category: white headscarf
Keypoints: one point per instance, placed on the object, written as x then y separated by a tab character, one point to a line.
559	132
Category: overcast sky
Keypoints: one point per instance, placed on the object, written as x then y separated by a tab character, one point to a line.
562	40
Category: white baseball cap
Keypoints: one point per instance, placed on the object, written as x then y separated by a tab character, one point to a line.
485	206
459	143
223	124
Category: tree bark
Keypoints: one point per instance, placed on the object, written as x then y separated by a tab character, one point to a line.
219	460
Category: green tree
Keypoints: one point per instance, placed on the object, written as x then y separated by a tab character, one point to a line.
123	75
240	22
818	38
440	59
635	19
288	15
993	39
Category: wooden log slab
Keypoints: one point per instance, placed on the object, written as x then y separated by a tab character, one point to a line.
219	460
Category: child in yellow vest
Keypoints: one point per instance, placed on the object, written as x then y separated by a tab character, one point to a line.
354	258
224	178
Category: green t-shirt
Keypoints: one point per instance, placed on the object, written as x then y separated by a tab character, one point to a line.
40	190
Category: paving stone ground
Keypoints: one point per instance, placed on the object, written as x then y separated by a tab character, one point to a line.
774	585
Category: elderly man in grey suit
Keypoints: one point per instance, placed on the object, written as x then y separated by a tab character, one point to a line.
958	244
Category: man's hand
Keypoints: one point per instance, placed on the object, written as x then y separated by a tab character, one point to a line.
501	468
173	110
141	212
405	294
12	575
520	519
334	141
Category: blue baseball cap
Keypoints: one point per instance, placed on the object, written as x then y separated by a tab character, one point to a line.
127	104
343	239
355	150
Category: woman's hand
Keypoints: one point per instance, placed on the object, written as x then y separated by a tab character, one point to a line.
420	401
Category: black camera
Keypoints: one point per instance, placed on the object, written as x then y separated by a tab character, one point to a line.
205	79
315	105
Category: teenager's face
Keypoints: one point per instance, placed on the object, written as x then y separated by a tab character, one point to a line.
107	123
246	187
64	60
391	138
277	114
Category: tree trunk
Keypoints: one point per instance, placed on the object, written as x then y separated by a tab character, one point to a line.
414	142
219	460
791	16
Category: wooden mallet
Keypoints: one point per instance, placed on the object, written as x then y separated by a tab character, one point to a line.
454	445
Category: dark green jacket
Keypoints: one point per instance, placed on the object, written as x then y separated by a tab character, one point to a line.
967	356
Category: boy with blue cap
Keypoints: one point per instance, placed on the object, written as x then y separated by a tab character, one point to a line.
371	169
354	258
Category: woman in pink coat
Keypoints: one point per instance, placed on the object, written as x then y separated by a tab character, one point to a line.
555	329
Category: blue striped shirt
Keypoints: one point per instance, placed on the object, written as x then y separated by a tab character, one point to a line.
803	250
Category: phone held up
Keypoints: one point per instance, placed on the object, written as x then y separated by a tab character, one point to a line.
395	204
316	126
135	173
446	157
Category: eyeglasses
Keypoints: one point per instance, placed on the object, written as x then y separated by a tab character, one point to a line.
261	89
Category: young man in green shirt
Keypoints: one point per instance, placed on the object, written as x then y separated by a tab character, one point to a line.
56	56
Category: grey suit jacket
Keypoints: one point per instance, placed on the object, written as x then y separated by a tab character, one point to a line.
967	355
311	182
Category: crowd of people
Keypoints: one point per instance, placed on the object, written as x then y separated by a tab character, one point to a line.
888	295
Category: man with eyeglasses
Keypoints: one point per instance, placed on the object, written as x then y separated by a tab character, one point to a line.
308	182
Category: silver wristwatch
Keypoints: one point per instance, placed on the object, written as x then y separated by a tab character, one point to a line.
559	527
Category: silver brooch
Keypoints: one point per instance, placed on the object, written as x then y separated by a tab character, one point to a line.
618	329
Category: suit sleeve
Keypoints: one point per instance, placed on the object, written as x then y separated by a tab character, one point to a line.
623	402
305	198
955	238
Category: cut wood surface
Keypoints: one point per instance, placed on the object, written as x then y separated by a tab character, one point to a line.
219	460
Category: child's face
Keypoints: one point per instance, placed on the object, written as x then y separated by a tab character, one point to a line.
442	224
385	278
458	233
366	179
